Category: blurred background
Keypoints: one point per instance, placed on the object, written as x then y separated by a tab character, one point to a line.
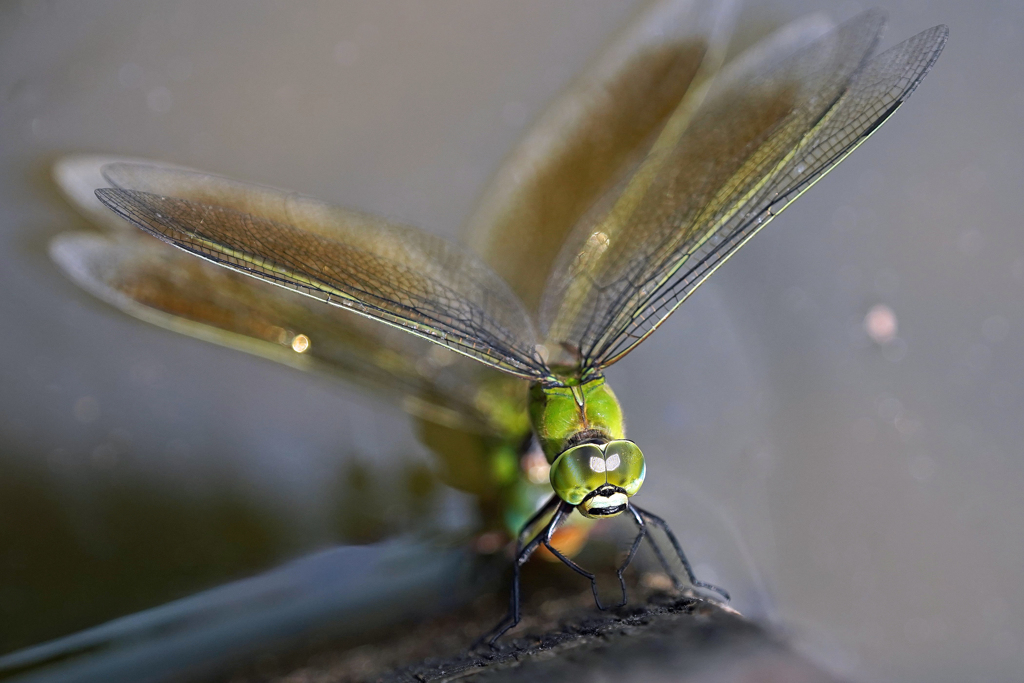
832	422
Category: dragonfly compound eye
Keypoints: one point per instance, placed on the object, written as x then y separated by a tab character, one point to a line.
577	472
599	478
629	469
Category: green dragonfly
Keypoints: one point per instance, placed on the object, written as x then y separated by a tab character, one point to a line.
472	417
628	194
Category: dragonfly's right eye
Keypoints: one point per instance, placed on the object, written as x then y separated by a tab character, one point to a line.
626	465
577	472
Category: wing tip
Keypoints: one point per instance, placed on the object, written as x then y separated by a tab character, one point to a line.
935	39
117	200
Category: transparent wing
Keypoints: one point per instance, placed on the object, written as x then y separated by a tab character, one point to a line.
395	274
78	176
170	288
590	137
768	130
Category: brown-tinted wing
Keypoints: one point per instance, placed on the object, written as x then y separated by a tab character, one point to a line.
767	132
391	273
78	176
592	135
170	288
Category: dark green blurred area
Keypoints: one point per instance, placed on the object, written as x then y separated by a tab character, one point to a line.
77	551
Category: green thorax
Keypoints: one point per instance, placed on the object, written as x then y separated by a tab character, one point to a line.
562	415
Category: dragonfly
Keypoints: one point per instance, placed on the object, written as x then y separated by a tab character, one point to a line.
629	192
472	418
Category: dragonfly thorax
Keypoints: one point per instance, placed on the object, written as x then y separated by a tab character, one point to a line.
570	414
581	430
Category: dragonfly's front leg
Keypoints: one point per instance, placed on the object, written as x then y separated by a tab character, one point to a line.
663	525
522	555
563	510
632	551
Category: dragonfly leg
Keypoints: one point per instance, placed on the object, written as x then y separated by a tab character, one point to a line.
663	525
522	555
664	561
563	510
642	527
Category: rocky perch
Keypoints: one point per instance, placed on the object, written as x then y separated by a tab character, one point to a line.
670	638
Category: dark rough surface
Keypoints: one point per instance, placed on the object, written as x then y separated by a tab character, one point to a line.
683	639
670	638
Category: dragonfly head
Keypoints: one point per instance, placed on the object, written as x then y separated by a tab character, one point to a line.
598	478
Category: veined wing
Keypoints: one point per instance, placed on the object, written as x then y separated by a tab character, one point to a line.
78	176
592	135
172	289
391	273
767	132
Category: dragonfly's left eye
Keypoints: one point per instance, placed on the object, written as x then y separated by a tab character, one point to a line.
577	472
